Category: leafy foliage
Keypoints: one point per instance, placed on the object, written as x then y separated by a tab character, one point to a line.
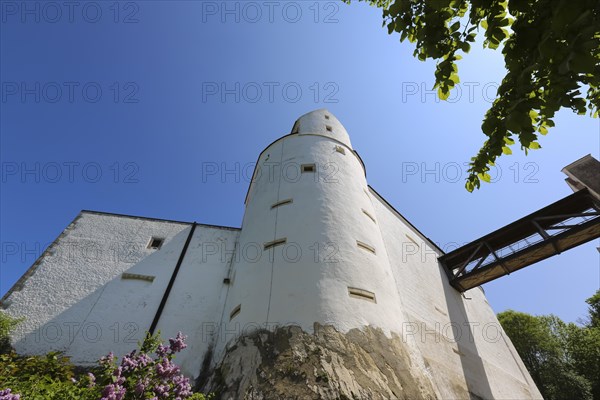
551	52
147	373
563	359
594	309
41	377
7	324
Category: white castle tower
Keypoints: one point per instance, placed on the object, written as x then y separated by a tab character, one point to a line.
310	218
317	246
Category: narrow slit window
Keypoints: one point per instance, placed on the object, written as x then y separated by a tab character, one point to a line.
155	243
234	313
365	246
368	214
281	203
127	275
329	128
308	168
362	294
274	243
340	150
441	311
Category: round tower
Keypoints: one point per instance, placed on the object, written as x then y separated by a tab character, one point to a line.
310	249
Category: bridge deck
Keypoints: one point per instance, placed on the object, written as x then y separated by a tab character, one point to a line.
569	222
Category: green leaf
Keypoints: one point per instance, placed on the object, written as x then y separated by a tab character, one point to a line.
534	145
506	150
469	186
485	177
443	94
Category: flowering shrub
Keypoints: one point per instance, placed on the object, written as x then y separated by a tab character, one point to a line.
6	395
141	376
147	373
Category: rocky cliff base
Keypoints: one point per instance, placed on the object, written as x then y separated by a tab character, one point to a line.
289	363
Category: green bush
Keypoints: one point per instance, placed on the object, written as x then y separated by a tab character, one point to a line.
7	324
42	377
53	377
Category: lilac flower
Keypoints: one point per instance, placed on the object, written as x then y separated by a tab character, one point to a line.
162	391
178	343
141	386
7	395
107	360
92	380
166	368
144	360
182	387
113	392
129	363
162	350
140	374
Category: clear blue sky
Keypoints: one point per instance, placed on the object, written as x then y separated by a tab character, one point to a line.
129	109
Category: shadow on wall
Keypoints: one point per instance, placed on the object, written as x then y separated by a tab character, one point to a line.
473	369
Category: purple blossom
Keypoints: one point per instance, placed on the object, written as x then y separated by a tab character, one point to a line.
139	374
166	368
162	350
7	395
107	360
113	392
92	380
178	343
162	391
141	386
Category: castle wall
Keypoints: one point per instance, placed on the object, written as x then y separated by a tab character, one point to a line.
76	300
457	335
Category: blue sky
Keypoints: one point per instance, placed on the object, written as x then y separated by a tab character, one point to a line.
123	107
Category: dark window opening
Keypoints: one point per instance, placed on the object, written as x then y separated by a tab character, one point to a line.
308	168
155	243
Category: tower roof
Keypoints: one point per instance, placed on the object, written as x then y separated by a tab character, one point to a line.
322	122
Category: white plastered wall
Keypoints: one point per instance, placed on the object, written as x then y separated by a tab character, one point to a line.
458	336
76	301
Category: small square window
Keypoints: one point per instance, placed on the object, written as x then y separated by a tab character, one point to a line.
329	128
155	243
340	149
326	116
308	168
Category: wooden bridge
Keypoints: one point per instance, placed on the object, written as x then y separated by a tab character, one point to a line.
565	224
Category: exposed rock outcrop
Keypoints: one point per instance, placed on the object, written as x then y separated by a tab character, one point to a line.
289	363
